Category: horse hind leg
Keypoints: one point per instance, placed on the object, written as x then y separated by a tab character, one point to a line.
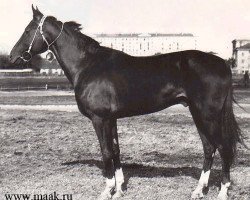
231	134
227	159
207	129
209	151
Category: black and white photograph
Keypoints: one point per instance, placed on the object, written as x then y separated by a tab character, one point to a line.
124	100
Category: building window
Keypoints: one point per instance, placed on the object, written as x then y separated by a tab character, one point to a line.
242	61
242	54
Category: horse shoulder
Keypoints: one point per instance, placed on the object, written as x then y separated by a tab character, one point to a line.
98	97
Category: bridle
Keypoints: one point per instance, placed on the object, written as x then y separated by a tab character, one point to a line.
26	56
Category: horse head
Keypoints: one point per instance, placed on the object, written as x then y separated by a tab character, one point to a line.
34	40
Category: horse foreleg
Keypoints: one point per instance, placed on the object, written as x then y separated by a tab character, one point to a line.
119	177
104	134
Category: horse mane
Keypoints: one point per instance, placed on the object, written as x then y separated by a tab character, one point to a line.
84	41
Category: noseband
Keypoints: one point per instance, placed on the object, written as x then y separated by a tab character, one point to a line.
26	56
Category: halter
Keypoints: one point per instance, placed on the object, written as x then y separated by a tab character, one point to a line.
26	56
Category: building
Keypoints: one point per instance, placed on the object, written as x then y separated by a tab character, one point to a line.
53	71
50	68
148	44
241	55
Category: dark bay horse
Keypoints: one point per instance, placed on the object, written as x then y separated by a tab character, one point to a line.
110	84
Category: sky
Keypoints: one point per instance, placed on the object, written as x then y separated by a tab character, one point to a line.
215	23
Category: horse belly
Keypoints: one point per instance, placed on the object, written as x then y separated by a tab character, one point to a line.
140	107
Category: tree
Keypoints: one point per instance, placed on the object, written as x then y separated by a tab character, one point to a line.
36	63
231	62
157	53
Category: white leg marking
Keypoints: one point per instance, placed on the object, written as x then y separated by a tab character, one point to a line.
223	191
110	185
119	178
204	178
203	182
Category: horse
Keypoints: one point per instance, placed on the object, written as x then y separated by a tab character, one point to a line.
110	84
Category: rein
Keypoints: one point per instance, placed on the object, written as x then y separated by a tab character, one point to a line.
26	56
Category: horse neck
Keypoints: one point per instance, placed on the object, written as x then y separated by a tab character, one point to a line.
69	56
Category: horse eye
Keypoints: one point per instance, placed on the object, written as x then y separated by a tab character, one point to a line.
26	31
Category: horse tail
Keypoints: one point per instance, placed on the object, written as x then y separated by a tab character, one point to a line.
231	132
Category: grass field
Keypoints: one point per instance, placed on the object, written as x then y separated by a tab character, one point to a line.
47	151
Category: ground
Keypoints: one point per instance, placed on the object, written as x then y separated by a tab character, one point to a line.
46	146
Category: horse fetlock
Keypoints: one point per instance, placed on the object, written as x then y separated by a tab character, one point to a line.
222	196
110	186
119	177
105	196
118	194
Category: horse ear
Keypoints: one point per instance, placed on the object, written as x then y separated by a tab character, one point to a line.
37	15
33	9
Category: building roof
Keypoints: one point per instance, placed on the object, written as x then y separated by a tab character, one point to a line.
245	47
241	40
145	35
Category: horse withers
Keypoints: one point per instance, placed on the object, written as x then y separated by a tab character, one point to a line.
110	84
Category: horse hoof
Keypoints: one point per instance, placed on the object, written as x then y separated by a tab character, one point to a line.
196	195
104	196
118	194
222	196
